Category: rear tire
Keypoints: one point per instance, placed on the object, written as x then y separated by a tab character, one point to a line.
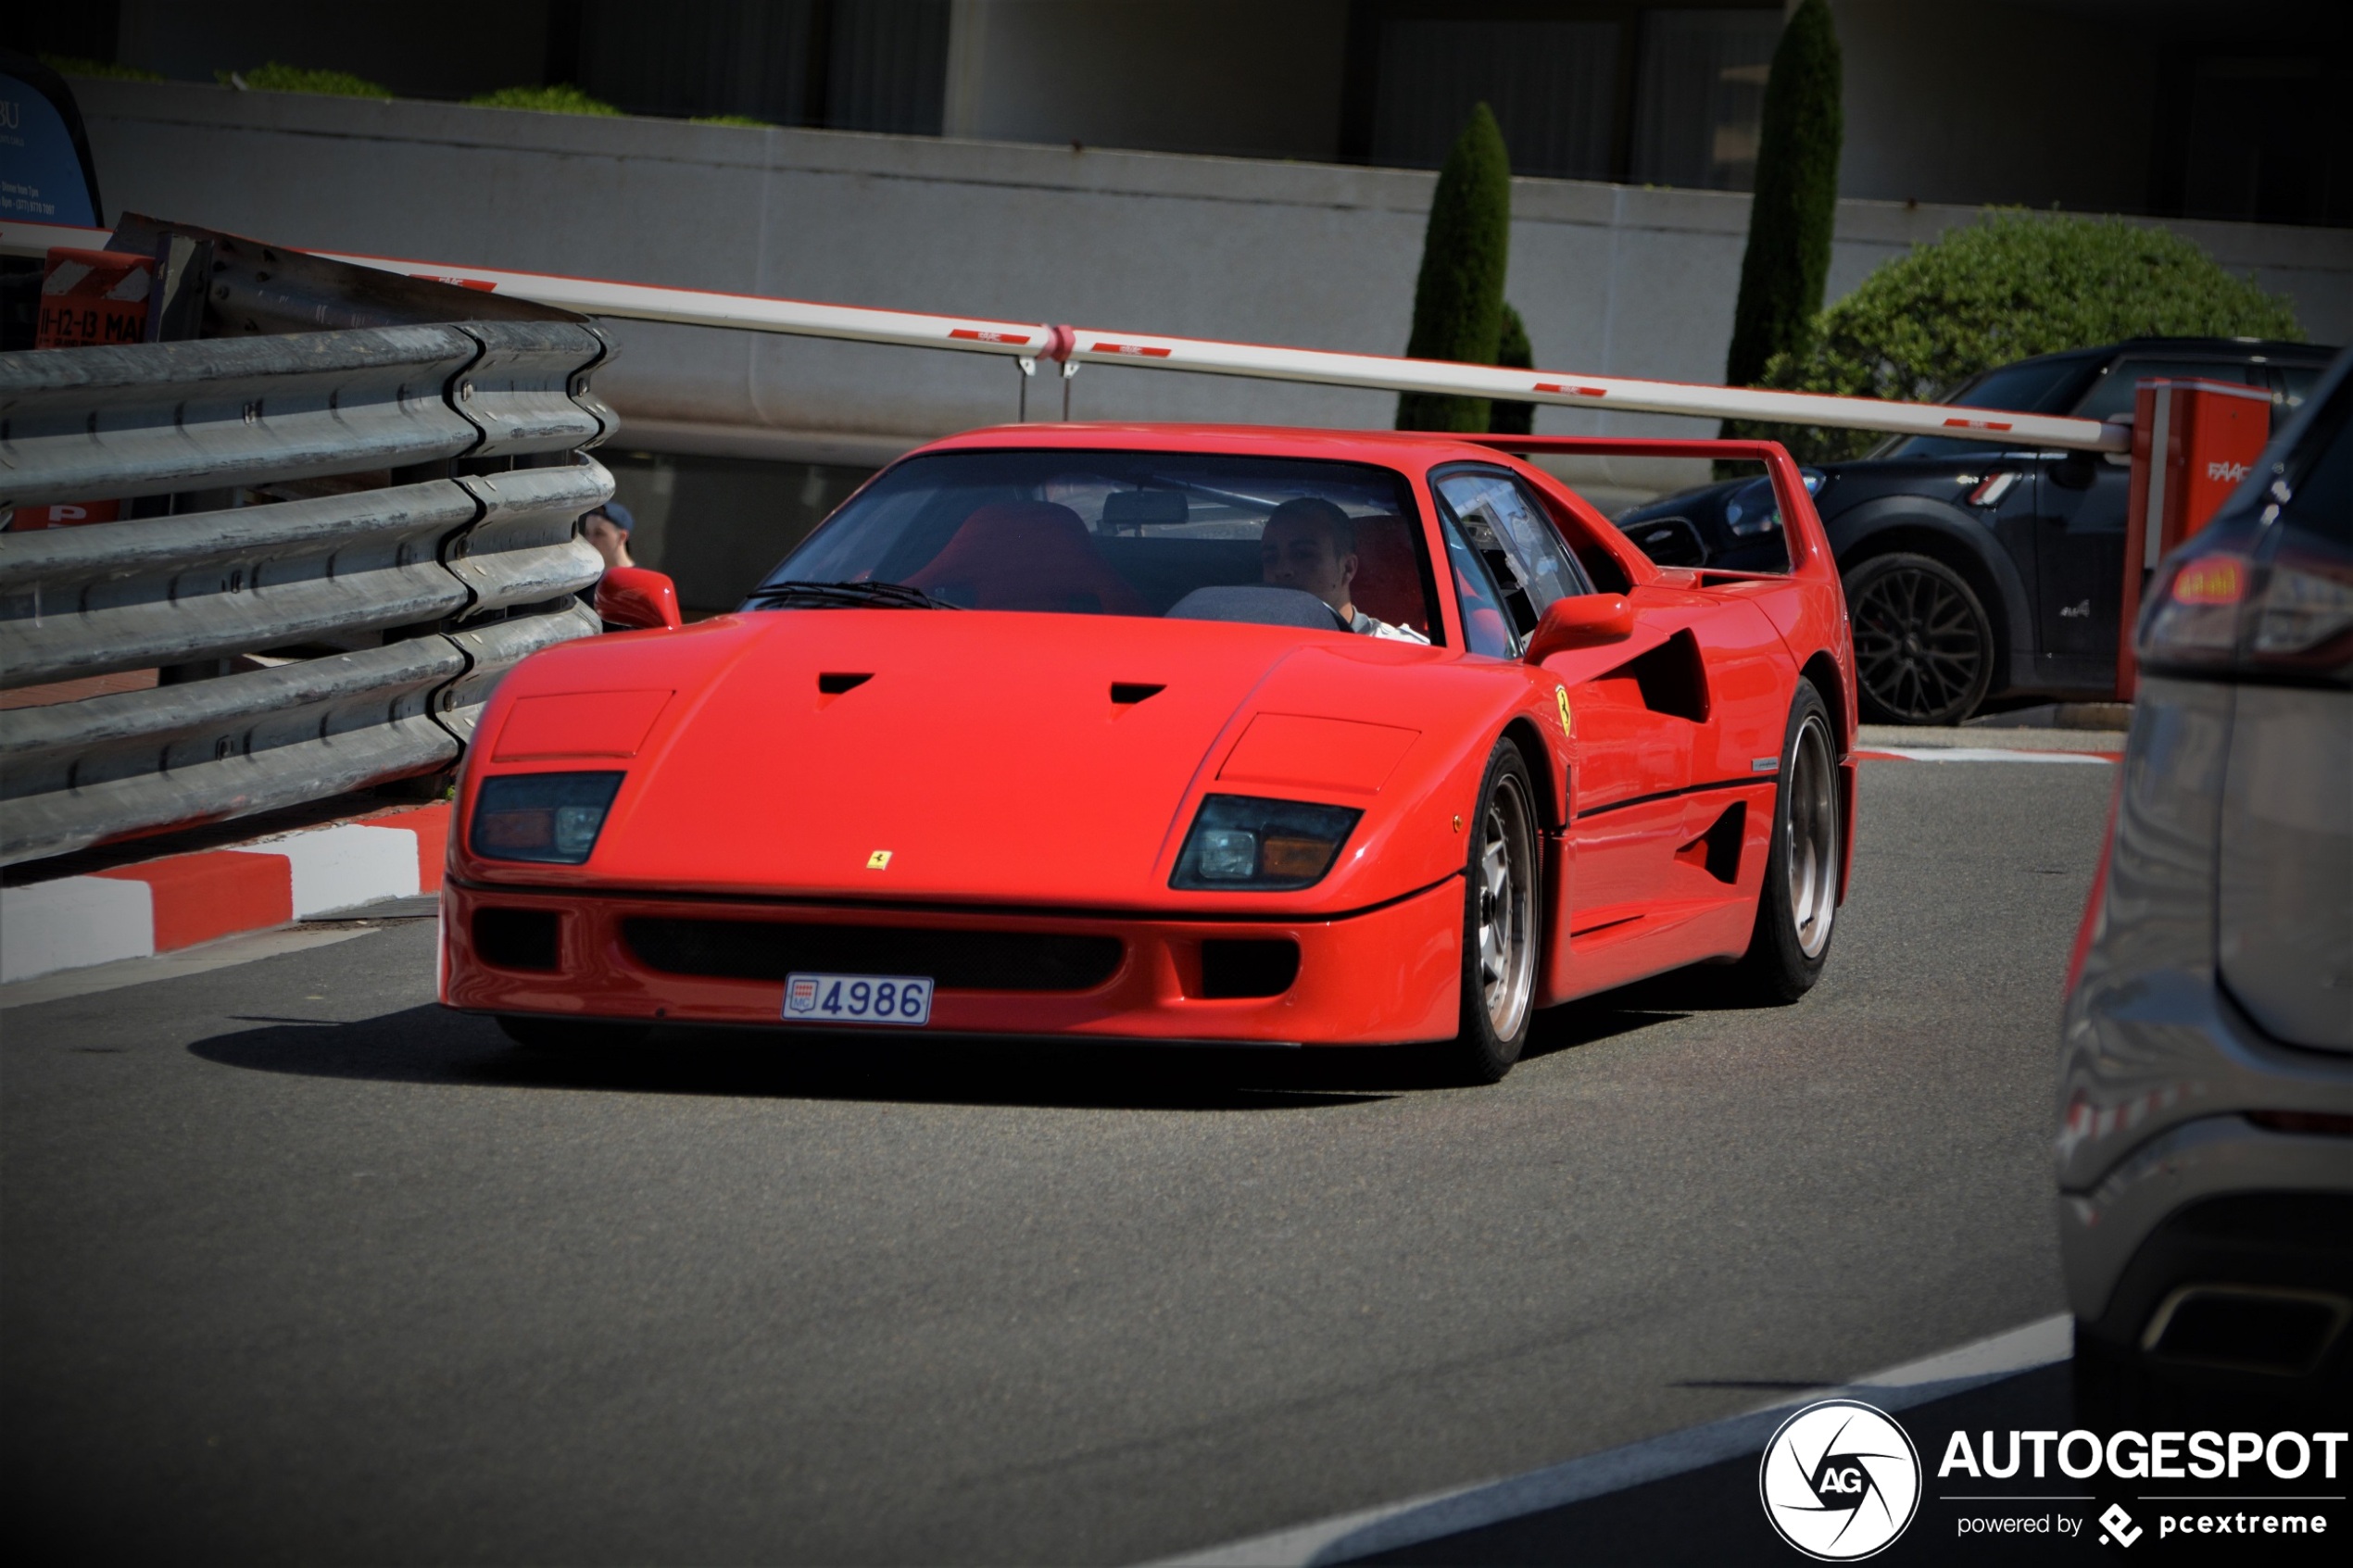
538	1033
1923	643
1798	902
1503	926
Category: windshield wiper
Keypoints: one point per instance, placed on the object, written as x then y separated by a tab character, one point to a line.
843	595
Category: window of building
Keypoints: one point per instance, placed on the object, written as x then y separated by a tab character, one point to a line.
1553	86
1699	98
849	65
1583	90
2267	141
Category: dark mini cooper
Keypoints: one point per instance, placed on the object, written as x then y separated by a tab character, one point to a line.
1975	571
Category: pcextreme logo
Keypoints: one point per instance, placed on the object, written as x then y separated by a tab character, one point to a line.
1840	1480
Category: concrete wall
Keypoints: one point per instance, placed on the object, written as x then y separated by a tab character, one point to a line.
1611	279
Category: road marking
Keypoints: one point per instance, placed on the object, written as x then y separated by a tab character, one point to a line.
222	954
1977	754
1449	1512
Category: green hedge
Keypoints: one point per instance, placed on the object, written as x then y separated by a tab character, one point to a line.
1458	301
275	78
561	97
2009	286
74	65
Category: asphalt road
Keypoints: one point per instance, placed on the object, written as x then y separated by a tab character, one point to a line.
298	1268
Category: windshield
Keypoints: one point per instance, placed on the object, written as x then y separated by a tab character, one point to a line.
2034	386
1158	533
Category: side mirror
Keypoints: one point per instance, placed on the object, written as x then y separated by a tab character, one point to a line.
639	598
1582	620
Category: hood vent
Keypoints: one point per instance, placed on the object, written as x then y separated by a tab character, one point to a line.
835	682
1128	693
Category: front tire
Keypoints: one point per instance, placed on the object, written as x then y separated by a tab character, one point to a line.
1798	902
1503	926
1923	643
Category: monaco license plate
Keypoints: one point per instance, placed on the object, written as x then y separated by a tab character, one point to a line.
858	998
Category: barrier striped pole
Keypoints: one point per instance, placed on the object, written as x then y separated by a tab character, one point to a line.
1381	372
1029	341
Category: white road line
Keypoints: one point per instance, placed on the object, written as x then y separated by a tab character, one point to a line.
230	950
1981	754
1437	1514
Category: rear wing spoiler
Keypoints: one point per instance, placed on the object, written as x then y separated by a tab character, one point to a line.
1809	547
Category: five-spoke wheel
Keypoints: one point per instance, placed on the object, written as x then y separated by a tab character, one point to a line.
1502	923
1799	899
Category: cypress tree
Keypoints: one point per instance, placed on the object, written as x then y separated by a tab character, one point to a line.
1458	301
1795	206
1512	348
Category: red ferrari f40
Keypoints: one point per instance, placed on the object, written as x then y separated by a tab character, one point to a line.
1147	733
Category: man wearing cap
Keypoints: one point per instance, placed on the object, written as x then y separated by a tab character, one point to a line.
609	528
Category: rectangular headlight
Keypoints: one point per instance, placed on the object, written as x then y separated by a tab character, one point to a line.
552	818
1241	842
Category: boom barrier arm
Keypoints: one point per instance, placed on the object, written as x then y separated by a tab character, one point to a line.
1030	341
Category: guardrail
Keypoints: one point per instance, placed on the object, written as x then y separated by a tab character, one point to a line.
378	523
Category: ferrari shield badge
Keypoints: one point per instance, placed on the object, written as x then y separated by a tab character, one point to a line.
879	861
1561	693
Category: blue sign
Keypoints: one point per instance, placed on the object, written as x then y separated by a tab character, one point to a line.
41	178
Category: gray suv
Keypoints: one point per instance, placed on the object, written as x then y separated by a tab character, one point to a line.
2205	1077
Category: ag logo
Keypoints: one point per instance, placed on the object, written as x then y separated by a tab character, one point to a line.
1840	1480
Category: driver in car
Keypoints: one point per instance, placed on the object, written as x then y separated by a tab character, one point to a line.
1310	544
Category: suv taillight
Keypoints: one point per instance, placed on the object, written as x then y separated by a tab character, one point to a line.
2267	591
2225	612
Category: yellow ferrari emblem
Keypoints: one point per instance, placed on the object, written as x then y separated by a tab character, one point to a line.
1562	693
879	861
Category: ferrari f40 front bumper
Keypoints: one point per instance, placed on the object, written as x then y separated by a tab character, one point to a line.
1388	975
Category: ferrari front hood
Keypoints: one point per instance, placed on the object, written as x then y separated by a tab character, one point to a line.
909	755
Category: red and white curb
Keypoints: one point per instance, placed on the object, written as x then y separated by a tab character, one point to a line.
177	901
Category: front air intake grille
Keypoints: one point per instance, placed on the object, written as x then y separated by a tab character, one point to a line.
1248	966
517	938
956	960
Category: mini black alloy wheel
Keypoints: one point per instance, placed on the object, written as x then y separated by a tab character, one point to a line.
1923	643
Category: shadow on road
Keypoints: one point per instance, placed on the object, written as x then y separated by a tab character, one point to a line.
426	1045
